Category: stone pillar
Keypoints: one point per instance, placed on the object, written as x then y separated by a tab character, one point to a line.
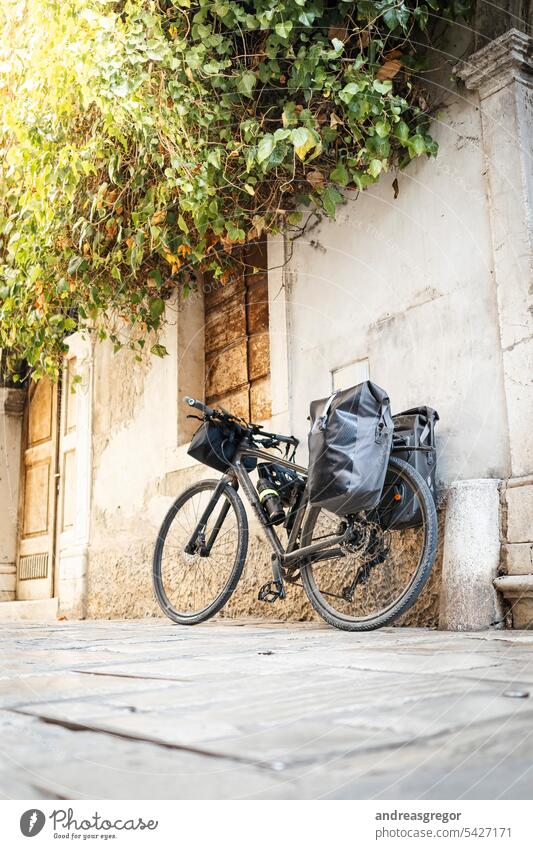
471	557
11	410
502	73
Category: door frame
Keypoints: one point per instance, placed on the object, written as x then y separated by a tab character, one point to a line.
24	592
70	545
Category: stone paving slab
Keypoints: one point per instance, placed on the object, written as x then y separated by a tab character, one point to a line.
146	709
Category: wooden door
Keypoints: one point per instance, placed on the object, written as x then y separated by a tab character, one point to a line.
237	342
35	556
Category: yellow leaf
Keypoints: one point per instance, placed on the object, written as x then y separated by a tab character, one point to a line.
172	259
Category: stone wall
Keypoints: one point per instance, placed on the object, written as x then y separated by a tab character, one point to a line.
419	291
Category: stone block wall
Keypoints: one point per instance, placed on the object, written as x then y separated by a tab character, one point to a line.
516	580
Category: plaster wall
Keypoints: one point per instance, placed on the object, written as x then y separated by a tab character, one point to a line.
407	285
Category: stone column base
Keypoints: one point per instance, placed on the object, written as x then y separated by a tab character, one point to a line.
471	557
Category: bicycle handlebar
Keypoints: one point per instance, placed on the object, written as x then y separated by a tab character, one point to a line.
259	435
192	402
278	437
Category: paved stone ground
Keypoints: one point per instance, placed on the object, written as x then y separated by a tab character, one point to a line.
145	709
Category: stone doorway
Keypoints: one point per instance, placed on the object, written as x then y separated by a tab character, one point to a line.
39	487
52	536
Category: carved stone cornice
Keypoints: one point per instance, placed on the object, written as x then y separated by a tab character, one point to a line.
506	59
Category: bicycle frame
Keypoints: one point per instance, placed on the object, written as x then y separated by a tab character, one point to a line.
291	556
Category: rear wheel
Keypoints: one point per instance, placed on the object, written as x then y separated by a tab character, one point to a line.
191	586
382	574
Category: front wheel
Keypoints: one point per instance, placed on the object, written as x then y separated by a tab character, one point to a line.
378	577
200	552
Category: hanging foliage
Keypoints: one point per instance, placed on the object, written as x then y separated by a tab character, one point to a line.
142	141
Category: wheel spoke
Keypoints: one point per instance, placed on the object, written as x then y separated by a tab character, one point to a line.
190	585
377	573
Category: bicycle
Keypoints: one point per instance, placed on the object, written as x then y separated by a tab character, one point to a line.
359	573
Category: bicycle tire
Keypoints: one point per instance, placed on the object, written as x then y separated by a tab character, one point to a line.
417	582
235	573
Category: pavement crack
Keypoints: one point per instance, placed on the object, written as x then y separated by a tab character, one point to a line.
131	675
182	747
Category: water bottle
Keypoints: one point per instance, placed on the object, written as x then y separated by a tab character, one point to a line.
269	496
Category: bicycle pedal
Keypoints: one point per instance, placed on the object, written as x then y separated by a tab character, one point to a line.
271	591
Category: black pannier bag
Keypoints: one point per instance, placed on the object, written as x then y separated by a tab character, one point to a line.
414	442
214	444
349	447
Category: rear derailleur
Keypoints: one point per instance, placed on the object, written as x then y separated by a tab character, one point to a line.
368	541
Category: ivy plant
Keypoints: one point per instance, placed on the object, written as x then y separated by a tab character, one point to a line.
142	142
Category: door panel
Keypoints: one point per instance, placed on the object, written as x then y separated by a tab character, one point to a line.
68	490
37	498
35	557
40	412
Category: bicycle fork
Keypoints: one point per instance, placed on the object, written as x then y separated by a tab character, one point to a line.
197	544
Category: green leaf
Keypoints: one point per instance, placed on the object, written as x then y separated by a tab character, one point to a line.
382	128
401	132
391	18
156	276
348	92
265	147
382	86
289	115
421	15
283	29
236	234
159	350
74	264
416	145
375	168
247	83
157	308
339	174
330	199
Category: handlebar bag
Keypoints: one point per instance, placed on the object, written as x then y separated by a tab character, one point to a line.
349	446
414	441
214	445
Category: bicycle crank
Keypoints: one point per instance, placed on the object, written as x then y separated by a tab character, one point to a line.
272	590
